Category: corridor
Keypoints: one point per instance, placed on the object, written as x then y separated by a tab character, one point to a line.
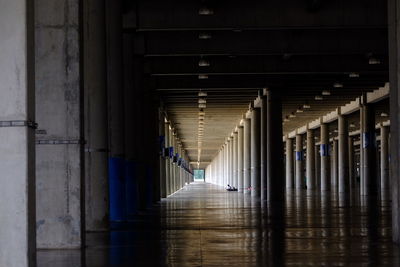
204	225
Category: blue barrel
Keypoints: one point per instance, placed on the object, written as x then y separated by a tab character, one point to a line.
116	176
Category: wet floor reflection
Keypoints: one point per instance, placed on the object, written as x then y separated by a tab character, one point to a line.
204	225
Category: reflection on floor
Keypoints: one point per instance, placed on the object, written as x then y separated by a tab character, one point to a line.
204	225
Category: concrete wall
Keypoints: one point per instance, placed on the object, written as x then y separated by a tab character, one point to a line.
58	114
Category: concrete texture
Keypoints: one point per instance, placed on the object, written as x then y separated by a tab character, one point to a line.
255	152
17	157
299	162
96	119
310	164
58	108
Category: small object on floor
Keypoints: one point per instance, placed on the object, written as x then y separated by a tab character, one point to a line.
231	188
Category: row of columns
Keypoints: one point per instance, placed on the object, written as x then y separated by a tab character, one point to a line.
251	157
335	160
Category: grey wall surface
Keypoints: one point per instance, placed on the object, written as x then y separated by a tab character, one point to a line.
58	167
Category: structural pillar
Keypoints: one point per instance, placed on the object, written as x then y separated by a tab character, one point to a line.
289	164
325	159
247	155
385	184
343	155
275	180
255	153
235	159
240	169
299	162
334	162
17	148
310	165
263	141
167	160
317	167
352	175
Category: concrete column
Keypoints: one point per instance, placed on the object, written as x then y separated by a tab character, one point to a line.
276	182
172	166
325	159
230	161
240	168
317	167
263	142
59	167
299	162
343	155
246	155
226	162
352	175
96	120
255	153
384	158
394	72
235	159
289	164
167	160
335	167
370	184
163	166
115	94
17	148
310	164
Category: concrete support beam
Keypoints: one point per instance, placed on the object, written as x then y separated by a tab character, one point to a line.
264	158
167	160
96	117
59	168
275	180
317	167
310	165
247	155
335	164
299	162
17	148
385	183
240	168
370	181
235	160
325	159
289	164
352	170
255	153
163	166
344	182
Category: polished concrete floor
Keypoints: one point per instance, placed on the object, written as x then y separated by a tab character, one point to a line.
204	225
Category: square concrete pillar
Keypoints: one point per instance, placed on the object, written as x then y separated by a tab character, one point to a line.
17	146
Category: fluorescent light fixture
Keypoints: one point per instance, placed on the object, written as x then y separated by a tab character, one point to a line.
384	114
326	92
306	106
374	61
202	101
204	36
292	115
204	63
352	125
202	94
202	105
318	97
205	11
338	85
203	76
299	110
354	75
201	112
286	119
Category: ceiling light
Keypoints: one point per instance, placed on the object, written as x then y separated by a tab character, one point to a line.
203	76
352	125
201	112
299	110
384	114
205	11
306	106
326	92
354	75
338	85
204	63
205	36
318	97
201	122
335	130
292	115
286	119
374	61
202	94
202	101
202	105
